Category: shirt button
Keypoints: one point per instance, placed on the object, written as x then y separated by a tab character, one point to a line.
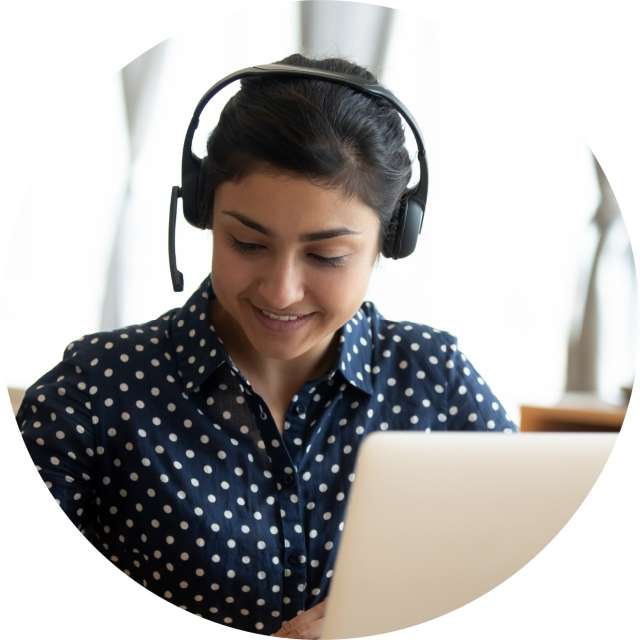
287	481
294	558
299	409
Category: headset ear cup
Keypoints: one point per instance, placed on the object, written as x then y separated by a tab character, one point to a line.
410	230
190	191
403	229
203	205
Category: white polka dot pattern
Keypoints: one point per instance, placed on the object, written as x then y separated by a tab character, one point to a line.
159	451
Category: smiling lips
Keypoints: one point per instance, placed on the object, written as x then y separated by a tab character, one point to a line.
282	318
281	322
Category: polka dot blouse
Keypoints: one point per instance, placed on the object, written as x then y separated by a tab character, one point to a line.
158	450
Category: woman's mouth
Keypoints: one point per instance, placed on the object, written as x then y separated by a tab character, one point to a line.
281	322
284	318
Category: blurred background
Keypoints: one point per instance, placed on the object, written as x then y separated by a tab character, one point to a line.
524	255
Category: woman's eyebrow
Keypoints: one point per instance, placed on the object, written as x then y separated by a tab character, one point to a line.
305	237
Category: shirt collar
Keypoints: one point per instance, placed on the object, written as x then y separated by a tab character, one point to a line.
356	350
199	350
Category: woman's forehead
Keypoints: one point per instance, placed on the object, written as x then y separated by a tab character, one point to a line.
279	201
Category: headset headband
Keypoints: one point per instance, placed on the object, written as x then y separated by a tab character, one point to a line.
414	200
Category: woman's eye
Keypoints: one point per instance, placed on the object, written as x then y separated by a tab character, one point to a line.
329	262
251	247
246	247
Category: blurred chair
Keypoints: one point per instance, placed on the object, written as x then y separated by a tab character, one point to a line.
575	411
16	395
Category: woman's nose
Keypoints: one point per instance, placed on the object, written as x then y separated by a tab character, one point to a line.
282	286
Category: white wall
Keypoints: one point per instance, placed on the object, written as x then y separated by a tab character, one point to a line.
58	229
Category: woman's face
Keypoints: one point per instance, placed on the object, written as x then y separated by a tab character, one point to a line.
299	252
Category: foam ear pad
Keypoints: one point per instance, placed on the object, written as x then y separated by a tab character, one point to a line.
204	206
395	230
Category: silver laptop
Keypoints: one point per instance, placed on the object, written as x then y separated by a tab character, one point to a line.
435	520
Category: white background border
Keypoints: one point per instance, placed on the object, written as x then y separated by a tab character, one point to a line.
584	584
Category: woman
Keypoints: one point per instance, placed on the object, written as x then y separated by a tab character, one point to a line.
209	453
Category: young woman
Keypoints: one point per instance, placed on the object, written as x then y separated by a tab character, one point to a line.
209	453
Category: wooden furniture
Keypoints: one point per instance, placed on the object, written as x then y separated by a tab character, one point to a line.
15	395
574	412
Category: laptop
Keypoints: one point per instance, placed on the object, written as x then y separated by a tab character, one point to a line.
435	520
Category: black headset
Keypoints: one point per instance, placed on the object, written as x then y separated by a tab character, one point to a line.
407	219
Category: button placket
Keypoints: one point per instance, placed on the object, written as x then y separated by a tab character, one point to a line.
292	523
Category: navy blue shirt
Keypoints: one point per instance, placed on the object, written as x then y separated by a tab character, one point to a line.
158	449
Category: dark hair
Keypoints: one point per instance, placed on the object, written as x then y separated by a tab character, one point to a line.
331	134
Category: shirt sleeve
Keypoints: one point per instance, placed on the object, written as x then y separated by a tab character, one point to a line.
56	423
472	406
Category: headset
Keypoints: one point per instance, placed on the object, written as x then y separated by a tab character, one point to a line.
407	218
